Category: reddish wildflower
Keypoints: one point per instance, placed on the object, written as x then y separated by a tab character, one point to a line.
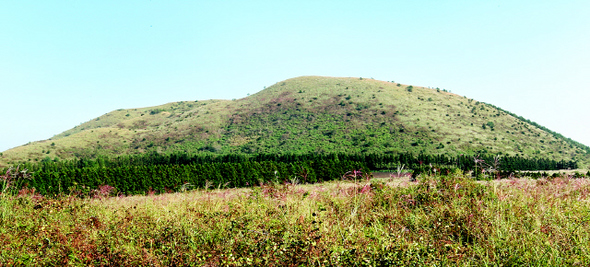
103	191
31	193
366	189
357	173
151	192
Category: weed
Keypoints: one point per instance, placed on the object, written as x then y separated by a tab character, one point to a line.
440	220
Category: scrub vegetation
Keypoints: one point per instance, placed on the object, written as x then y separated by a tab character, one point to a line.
311	115
436	221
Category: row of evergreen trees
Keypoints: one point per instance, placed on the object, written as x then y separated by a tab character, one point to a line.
372	161
139	179
161	172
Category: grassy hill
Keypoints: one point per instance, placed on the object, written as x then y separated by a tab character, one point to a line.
311	114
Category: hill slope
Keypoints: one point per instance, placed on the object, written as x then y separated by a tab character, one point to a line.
311	114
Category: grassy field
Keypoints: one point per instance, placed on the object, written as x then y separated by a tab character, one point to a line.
437	221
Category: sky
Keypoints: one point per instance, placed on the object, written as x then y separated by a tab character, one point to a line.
63	62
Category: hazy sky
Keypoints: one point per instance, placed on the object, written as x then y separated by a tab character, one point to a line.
66	62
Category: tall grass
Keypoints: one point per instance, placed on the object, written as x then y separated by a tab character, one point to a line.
437	221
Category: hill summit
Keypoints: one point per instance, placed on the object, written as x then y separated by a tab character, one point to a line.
311	114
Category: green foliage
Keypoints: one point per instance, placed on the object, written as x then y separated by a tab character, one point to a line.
161	172
555	134
156	111
441	220
140	179
361	115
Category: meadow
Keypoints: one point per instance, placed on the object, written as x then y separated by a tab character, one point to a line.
435	221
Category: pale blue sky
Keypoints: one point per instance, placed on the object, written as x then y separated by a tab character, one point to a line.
66	62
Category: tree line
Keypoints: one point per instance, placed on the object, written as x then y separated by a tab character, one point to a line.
374	161
158	178
171	172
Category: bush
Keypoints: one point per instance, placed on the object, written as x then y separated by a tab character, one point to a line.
13	179
156	111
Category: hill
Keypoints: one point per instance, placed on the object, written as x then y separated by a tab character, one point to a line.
311	114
